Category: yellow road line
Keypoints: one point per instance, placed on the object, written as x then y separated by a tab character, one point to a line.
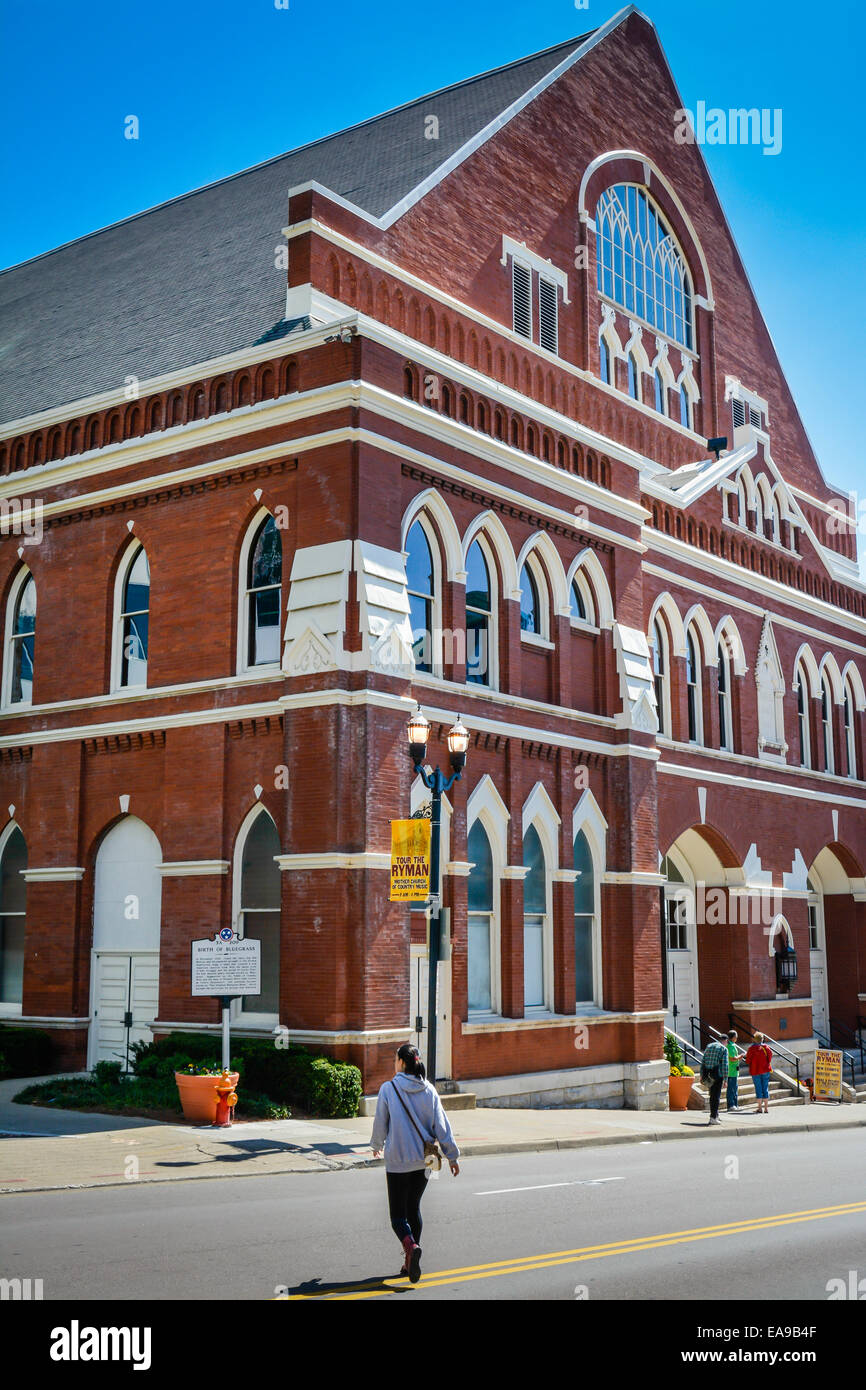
634	1245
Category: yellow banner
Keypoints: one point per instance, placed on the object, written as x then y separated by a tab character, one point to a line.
410	861
828	1075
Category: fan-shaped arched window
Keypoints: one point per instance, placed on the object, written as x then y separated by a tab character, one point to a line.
640	266
20	650
481	908
479	616
135	621
534	913
420	585
578	602
13	907
263	595
584	920
259	909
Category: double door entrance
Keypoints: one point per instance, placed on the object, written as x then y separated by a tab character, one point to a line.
124	1004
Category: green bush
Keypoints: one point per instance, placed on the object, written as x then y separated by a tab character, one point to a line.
108	1073
285	1076
673	1052
26	1052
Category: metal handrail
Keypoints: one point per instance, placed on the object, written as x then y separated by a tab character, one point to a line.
777	1048
833	1047
714	1033
686	1046
836	1026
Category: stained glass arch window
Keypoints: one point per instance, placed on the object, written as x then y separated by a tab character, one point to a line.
640	266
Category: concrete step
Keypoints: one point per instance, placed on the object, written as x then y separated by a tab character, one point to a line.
458	1100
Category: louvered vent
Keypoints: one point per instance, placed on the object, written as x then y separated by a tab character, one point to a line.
548	327
755	418
522	291
739	414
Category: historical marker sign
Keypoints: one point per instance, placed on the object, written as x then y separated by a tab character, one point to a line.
226	965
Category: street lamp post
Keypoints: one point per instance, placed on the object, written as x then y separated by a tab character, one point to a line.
418	731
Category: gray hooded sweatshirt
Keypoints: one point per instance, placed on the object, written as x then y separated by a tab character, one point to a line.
394	1131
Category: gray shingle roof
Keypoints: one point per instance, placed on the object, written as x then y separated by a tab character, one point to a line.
195	278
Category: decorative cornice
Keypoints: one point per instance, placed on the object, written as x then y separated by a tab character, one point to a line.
52	875
366	859
190	868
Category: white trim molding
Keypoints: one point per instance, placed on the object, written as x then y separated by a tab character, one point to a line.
52	875
190	868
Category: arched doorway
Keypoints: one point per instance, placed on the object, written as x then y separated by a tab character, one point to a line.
124	971
680	943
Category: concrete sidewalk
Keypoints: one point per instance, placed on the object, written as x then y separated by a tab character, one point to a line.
45	1150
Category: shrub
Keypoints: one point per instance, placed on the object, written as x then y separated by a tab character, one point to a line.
108	1073
26	1052
285	1076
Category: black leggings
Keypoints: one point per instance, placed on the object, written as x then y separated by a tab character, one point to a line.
405	1191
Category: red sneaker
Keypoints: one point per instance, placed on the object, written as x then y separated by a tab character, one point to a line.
413	1259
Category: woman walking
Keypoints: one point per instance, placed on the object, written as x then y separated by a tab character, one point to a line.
759	1059
409	1115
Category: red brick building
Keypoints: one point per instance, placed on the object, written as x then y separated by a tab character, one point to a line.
419	414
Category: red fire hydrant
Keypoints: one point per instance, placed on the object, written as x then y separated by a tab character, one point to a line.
227	1099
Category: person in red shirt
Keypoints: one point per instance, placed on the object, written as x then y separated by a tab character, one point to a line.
759	1060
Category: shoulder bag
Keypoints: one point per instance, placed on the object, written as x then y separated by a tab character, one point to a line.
432	1156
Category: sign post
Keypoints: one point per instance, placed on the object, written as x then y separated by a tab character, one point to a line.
828	1075
226	966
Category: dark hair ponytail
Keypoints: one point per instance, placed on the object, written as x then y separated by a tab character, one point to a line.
412	1061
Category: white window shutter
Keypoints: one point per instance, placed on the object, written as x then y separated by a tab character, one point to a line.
548	324
521	281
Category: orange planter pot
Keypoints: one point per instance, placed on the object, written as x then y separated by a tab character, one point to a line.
679	1090
198	1095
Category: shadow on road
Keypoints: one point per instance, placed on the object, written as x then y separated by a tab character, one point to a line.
385	1283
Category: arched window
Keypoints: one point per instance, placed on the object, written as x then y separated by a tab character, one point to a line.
850	740
742	503
759	512
420	585
827	724
534	914
640	266
584	921
263	595
633	378
660	677
803	718
661	393
20	648
685	408
693	684
479	616
725	730
134	620
481	934
258	913
578	602
604	360
530	605
13	907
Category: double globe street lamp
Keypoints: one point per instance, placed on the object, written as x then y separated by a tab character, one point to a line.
418	731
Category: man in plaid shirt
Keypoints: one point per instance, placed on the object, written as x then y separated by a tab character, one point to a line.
714	1071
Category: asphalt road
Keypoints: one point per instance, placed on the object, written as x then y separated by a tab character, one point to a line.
770	1217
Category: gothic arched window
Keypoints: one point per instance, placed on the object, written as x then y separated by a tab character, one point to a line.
640	266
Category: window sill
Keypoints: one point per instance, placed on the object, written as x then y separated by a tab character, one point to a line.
532	639
581	625
534	1019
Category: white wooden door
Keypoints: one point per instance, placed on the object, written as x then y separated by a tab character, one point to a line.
819	992
682	966
125	998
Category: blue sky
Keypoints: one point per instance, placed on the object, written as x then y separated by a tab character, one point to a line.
221	85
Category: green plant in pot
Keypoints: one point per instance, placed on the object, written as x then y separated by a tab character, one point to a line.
681	1078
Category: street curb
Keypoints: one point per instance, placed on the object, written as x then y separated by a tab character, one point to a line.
478	1149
